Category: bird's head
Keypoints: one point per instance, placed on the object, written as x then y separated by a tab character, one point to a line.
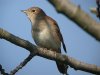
34	13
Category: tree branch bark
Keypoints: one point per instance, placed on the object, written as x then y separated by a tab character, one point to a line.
77	15
22	64
94	10
77	65
2	71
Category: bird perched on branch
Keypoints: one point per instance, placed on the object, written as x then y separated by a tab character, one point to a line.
46	33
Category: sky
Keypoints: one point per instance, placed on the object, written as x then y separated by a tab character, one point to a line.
80	45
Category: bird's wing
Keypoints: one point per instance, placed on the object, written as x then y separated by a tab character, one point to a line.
56	32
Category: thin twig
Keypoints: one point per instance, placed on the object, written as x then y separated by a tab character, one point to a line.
3	71
22	64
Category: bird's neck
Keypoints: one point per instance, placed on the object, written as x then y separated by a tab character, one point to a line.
36	19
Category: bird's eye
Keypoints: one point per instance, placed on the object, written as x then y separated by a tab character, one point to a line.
33	10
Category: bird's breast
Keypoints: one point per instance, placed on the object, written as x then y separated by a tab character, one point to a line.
44	35
44	39
41	36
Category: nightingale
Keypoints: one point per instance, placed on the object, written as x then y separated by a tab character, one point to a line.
46	33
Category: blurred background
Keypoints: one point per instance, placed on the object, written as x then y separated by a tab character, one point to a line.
80	45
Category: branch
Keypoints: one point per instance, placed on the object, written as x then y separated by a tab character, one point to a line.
94	11
22	64
77	65
2	71
77	15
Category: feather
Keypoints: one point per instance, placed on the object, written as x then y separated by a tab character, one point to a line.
56	32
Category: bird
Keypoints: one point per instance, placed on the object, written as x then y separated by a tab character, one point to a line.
46	33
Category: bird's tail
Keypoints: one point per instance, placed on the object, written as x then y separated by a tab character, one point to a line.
62	68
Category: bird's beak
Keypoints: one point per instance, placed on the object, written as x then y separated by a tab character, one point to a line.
25	11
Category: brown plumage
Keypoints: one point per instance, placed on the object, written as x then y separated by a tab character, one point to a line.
46	33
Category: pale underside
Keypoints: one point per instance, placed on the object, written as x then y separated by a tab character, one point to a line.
45	39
